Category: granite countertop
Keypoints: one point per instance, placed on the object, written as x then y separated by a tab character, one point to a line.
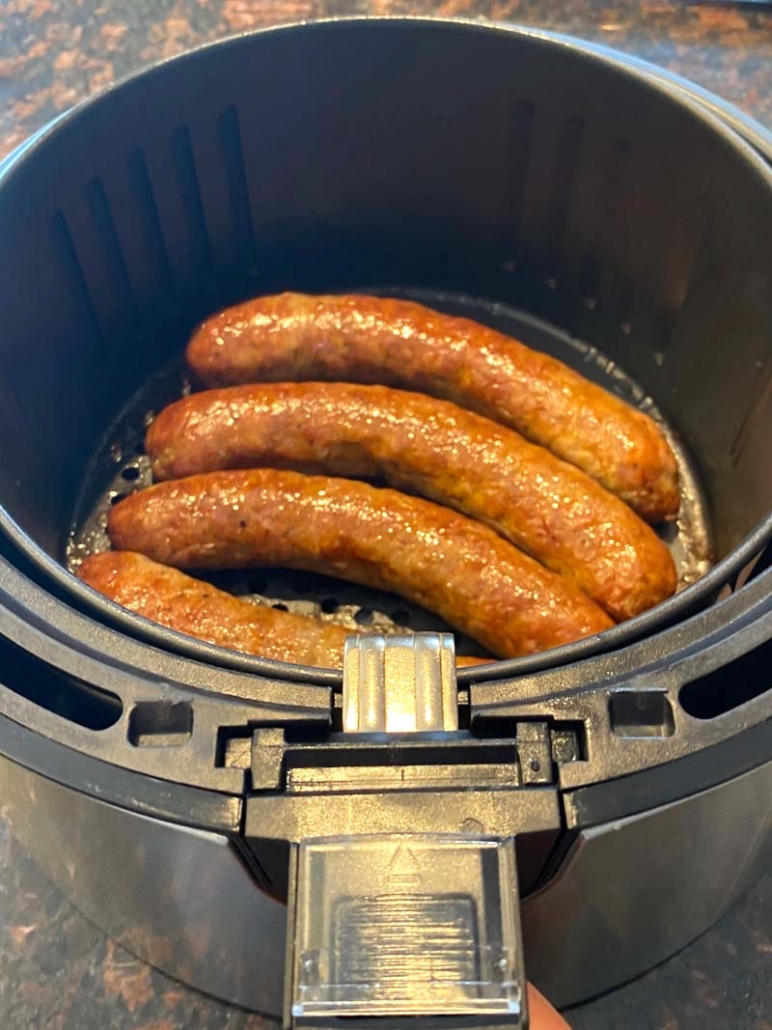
56	970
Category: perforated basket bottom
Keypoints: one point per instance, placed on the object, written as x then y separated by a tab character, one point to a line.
119	467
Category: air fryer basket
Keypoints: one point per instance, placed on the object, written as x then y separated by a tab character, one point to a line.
357	156
585	206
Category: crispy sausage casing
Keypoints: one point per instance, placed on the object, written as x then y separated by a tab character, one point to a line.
400	343
545	506
433	556
191	606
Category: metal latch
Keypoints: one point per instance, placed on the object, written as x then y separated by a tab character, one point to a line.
421	929
399	684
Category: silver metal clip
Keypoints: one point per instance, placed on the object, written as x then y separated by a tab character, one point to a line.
399	684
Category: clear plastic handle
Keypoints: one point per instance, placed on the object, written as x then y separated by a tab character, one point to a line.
413	927
404	930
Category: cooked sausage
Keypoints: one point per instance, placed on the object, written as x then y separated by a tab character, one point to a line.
433	556
400	343
191	606
543	505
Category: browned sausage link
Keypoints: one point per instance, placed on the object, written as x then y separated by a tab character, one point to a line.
191	606
462	570
541	504
399	343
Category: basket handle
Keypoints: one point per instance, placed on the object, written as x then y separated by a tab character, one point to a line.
403	930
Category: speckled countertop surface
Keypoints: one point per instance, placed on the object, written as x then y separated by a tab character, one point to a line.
56	970
55	52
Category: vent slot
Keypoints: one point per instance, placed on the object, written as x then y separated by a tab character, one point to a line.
567	157
73	271
160	724
641	713
150	224
238	185
521	132
55	691
190	192
616	291
99	208
730	686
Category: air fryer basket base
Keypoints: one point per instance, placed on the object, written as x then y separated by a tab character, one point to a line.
119	467
206	922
